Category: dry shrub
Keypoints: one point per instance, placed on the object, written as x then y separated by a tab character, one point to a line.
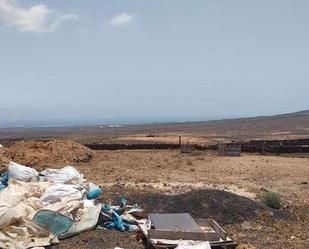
271	199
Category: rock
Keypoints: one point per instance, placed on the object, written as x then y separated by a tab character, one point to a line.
246	225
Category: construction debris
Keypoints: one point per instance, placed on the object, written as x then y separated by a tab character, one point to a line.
181	230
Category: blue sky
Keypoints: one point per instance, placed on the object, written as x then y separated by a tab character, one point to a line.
152	60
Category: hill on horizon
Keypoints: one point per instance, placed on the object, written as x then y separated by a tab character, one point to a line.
288	125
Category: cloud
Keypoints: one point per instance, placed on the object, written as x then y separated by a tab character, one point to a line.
37	18
121	20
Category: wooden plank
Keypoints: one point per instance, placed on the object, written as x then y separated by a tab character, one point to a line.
214	225
174	222
218	229
176	235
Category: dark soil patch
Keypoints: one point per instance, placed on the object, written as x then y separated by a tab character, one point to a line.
224	207
98	239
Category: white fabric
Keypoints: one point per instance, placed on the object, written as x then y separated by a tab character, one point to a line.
26	235
18	204
63	175
88	220
20	172
193	245
23	198
18	200
55	192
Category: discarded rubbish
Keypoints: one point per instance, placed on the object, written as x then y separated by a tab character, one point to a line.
34	210
21	173
4	178
63	175
193	245
94	191
179	230
54	222
88	219
121	217
37	209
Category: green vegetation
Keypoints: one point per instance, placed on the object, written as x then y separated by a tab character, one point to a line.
271	199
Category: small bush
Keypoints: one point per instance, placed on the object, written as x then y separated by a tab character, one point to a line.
271	199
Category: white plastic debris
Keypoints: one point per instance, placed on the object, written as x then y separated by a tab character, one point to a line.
55	192
21	173
189	244
63	175
88	220
62	191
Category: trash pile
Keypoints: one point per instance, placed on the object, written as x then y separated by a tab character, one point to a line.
39	208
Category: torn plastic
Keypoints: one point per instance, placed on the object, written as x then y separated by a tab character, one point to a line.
88	219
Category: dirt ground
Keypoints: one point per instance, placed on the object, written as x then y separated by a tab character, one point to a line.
170	170
201	183
43	154
168	181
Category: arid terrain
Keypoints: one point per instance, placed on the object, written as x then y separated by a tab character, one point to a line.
202	183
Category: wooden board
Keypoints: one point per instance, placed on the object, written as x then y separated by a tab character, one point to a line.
182	222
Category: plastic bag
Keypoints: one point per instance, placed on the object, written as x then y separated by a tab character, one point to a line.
55	192
63	175
21	173
94	191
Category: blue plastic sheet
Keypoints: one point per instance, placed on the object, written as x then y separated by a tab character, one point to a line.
114	214
4	181
55	222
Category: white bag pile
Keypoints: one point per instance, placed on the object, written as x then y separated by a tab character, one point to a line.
60	190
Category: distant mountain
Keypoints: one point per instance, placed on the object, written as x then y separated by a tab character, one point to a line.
288	125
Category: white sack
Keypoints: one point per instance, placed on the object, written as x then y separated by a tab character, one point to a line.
63	175
20	172
55	192
88	220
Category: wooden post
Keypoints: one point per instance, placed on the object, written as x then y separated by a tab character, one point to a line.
179	142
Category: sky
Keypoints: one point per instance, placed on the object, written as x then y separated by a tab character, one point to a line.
159	60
